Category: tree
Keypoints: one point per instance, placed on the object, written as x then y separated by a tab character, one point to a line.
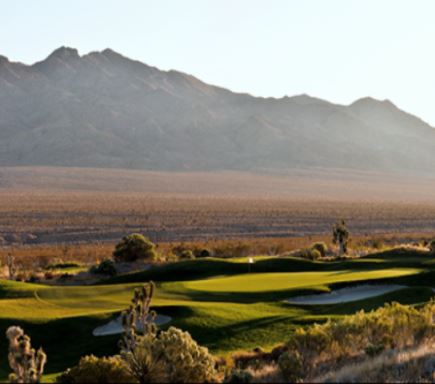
340	236
134	247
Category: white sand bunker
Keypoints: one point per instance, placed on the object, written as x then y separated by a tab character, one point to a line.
114	327
345	295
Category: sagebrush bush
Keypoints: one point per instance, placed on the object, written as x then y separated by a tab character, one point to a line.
374	350
225	250
134	247
170	356
309	253
201	253
92	369
415	365
392	326
321	247
378	244
106	267
290	365
63	265
187	254
239	376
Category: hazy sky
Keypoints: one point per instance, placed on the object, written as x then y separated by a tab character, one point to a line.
339	50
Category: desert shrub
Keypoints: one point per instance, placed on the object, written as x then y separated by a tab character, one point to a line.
290	365
65	277
26	363
106	267
390	327
178	249
187	255
48	275
315	254
374	350
321	247
309	253
93	369
63	265
258	350
183	359
134	247
278	351
35	277
239	376
21	276
275	249
170	356
377	244
201	253
244	359
415	365
227	250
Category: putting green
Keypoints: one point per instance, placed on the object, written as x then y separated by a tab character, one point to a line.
267	282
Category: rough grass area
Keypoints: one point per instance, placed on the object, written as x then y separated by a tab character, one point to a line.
219	302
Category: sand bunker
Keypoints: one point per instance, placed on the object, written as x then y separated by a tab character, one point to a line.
114	327
345	295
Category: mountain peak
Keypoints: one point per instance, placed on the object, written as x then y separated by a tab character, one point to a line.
111	54
65	53
371	101
109	51
305	99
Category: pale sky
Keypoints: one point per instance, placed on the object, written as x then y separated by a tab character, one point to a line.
339	50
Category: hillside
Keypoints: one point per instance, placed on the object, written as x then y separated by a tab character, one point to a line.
105	110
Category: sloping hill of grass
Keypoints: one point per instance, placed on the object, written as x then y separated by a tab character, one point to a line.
267	282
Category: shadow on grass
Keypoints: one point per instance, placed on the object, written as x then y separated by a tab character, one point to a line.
63	340
66	340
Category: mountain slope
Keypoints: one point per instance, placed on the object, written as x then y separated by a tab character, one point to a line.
105	110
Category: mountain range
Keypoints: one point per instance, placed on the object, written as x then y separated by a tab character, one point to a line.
105	110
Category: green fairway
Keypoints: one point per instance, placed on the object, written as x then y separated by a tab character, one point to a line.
266	282
222	305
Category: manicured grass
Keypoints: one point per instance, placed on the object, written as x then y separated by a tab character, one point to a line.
222	305
266	282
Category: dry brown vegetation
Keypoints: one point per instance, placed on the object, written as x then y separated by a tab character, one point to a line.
45	217
70	205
